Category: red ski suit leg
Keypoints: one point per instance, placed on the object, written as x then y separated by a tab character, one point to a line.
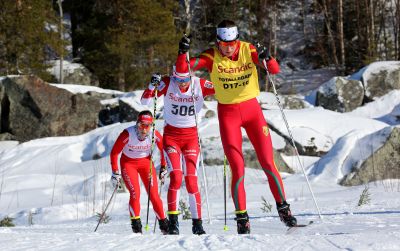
131	169
182	154
248	115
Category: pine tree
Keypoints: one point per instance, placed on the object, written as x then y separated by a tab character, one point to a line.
29	36
125	41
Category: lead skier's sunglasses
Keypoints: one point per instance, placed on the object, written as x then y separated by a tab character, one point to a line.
227	44
182	80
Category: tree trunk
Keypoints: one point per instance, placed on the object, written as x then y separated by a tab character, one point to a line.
341	36
372	16
61	30
368	26
303	18
188	16
359	33
396	27
384	52
330	34
120	45
273	30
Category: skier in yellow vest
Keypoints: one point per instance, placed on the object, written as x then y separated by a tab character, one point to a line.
232	67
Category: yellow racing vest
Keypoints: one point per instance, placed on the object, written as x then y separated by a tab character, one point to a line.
235	81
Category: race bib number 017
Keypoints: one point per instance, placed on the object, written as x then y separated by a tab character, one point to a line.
235	85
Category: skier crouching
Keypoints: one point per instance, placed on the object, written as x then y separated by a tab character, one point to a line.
181	101
135	144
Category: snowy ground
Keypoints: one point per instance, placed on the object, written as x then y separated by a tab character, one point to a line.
53	188
344	227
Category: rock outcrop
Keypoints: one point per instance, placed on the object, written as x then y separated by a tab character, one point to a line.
31	108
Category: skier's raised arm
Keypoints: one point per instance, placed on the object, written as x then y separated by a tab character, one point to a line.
161	83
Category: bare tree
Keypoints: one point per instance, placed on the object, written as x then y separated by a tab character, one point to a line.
341	35
188	14
61	30
372	23
303	18
327	16
273	34
395	19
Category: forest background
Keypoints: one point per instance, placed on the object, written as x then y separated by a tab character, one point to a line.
123	41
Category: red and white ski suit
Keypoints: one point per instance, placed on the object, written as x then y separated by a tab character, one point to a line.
236	88
180	143
136	161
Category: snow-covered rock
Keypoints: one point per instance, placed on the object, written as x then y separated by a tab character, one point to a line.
340	94
74	73
379	78
383	161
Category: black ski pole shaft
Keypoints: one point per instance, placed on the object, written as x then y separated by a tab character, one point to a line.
225	226
104	212
291	136
148	198
151	158
155	221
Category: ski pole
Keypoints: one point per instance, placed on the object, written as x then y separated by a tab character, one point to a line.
291	136
155	221
198	139
104	212
225	226
151	157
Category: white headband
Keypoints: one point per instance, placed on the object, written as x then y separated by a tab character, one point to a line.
227	34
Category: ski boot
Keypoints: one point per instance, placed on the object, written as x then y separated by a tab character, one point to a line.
163	226
243	224
285	214
136	225
197	227
173	224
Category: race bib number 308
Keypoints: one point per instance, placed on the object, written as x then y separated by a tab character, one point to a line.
182	110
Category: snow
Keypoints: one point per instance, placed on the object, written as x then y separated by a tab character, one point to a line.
67	67
380	107
59	183
325	126
373	68
7	144
85	88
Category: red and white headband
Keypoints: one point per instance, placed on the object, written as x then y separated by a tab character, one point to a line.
145	118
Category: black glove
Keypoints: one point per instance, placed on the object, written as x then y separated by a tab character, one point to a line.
263	52
184	44
155	80
163	172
